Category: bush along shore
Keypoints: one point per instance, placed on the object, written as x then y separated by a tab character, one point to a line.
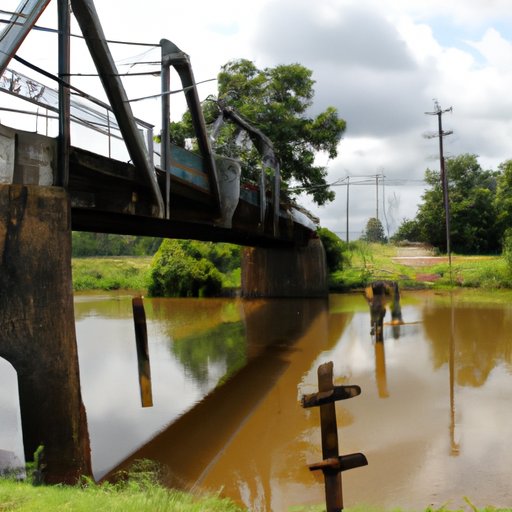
362	263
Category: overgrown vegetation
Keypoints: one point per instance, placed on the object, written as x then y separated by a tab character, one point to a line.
480	208
114	273
277	102
370	262
137	491
334	248
182	268
103	244
198	269
142	493
187	268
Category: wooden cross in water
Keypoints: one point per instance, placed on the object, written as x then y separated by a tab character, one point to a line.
332	464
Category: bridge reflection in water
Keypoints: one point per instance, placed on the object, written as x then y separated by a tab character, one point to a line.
227	378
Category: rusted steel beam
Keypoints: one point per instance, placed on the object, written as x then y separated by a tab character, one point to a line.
173	56
20	25
87	17
64	144
141	339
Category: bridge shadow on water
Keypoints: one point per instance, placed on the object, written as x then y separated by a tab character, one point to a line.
192	444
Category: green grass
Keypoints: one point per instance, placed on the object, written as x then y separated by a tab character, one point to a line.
368	262
111	273
137	491
123	273
137	496
468	507
140	490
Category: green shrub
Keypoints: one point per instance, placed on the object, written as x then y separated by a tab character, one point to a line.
334	249
179	269
507	248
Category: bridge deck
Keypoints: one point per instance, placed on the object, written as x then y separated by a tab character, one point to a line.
111	196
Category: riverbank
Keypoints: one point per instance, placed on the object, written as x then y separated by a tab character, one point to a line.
415	268
136	496
419	268
111	273
130	496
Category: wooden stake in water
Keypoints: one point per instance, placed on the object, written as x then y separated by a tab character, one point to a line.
332	464
141	339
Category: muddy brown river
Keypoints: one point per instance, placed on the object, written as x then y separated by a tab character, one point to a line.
433	419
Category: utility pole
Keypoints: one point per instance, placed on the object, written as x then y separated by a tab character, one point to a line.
377	196
348	187
444	179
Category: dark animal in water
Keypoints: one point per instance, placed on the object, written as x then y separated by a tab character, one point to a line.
378	294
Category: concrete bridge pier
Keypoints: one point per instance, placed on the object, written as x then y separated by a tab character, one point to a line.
297	272
37	327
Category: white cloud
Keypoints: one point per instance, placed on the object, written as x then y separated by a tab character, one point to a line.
380	62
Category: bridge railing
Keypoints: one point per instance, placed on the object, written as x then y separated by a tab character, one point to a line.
86	112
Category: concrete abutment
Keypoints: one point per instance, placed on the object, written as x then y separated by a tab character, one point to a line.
297	272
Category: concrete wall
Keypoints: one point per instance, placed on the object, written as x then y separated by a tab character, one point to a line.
26	158
37	328
298	272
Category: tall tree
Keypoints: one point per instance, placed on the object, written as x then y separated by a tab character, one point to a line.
374	231
277	101
503	200
472	207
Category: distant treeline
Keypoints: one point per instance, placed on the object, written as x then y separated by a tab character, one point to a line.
103	244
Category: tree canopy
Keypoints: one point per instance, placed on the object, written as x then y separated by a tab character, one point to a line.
374	231
277	101
189	268
473	208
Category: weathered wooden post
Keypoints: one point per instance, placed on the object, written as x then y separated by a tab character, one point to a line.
332	464
141	339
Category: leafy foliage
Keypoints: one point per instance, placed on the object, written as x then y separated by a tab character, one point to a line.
334	249
187	268
374	231
507	248
409	230
224	344
110	273
276	101
103	244
473	208
503	199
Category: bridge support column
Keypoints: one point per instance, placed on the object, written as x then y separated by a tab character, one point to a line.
299	272
37	327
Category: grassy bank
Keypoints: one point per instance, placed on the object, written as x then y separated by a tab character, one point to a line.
368	262
111	273
133	495
124	273
137	496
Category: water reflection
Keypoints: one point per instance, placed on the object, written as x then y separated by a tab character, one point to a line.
141	341
12	457
438	387
184	366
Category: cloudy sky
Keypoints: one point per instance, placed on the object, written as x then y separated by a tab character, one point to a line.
381	63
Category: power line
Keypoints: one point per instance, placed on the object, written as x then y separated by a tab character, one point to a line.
77	36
